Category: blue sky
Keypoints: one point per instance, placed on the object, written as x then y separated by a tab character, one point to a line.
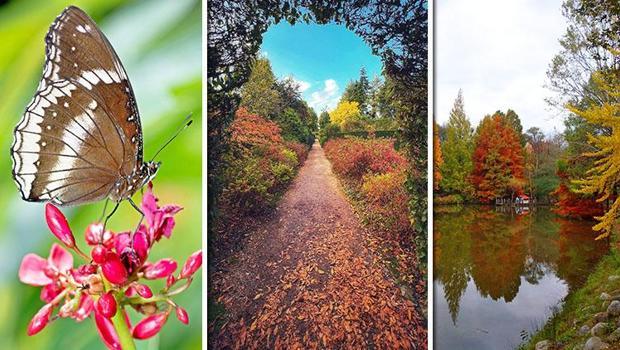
323	58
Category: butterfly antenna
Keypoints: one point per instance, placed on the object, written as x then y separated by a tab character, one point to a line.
186	122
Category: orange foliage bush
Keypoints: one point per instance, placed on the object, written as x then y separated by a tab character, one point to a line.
386	198
376	172
259	164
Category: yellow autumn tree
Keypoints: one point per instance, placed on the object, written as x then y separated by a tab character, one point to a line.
604	177
346	113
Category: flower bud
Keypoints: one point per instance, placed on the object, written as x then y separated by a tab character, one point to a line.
107	332
98	254
161	269
106	305
170	280
59	226
182	315
40	320
113	269
143	290
149	326
131	291
192	264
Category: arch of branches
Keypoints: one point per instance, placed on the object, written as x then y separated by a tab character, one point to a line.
395	30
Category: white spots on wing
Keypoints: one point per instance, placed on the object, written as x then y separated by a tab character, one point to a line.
87	28
72	138
97	75
49	127
73	35
91	77
27	143
75	65
72	48
92	105
85	83
66	105
80	29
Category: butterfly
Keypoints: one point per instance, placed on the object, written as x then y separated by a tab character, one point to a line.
80	138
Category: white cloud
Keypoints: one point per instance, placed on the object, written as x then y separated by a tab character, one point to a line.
498	52
302	85
326	98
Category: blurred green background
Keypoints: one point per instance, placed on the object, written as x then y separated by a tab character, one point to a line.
159	43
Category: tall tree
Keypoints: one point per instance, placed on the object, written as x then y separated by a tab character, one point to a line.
259	95
513	119
437	157
603	179
346	115
324	120
498	162
457	149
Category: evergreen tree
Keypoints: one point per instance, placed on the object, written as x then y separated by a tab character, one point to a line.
457	150
259	95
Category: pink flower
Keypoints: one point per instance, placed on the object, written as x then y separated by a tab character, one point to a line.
59	226
40	320
95	235
192	264
160	220
98	254
161	269
36	271
149	326
86	306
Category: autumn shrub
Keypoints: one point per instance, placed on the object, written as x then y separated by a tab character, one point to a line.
259	164
386	199
448	199
352	158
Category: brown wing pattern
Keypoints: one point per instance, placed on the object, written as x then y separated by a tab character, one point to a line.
81	132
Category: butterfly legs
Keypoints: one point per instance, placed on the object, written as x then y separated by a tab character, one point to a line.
135	206
105	223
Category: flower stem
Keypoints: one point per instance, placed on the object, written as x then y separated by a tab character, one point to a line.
120	325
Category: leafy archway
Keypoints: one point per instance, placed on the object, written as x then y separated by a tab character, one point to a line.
395	30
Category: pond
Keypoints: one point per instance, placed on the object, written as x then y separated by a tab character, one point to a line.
499	274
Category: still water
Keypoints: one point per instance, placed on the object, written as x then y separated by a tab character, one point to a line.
499	274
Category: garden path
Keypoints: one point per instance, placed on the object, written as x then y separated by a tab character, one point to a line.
307	278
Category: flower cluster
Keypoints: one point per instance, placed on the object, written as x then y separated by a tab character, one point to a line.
112	277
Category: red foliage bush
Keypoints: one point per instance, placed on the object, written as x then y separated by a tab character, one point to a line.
573	205
353	158
300	150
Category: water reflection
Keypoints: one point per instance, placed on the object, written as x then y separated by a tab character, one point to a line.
498	272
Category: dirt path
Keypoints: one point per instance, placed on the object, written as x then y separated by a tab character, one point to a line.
308	280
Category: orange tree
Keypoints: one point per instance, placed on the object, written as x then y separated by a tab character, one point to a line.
497	159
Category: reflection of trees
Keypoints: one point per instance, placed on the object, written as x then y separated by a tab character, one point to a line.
498	255
579	252
453	242
496	249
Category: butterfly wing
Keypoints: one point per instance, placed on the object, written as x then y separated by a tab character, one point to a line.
81	132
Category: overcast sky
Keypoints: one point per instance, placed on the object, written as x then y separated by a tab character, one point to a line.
498	52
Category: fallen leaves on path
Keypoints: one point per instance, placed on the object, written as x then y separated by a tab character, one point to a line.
311	280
